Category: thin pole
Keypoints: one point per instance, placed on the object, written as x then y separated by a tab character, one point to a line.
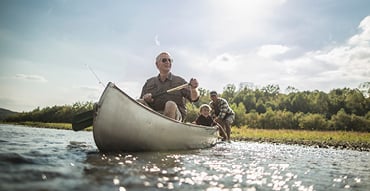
96	76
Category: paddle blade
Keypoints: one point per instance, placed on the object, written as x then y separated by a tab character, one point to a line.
83	120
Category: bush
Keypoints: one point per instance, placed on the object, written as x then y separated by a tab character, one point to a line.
239	111
313	122
192	112
341	120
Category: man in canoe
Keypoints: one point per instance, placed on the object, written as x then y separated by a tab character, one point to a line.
222	114
170	104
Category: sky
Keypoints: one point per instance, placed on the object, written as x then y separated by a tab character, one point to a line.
59	52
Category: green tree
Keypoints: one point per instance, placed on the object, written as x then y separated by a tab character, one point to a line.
239	110
192	112
252	119
260	107
245	96
319	103
286	120
267	120
229	92
355	102
271	90
299	102
365	89
341	121
313	122
360	123
336	100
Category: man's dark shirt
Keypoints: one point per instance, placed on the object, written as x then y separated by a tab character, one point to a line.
154	86
206	121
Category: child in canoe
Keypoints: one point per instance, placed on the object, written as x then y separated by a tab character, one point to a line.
204	118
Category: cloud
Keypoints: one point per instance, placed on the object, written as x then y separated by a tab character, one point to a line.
344	65
363	38
36	78
223	62
156	39
272	50
332	67
89	88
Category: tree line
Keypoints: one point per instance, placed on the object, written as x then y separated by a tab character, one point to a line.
340	109
54	114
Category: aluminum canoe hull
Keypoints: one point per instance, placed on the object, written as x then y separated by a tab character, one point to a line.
123	124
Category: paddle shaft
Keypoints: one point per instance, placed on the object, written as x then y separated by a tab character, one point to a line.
170	90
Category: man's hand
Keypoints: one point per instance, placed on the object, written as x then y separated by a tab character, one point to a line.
148	98
218	120
194	83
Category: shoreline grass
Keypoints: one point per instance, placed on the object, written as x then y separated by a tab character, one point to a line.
321	139
65	126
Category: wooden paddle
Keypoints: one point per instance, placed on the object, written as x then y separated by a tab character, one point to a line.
85	119
170	90
82	120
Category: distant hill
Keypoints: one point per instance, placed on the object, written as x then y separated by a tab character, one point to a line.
4	113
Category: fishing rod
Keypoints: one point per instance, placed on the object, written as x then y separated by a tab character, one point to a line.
96	76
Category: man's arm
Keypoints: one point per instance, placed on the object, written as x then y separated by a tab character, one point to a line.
223	109
194	93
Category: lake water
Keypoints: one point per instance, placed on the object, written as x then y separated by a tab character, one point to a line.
49	159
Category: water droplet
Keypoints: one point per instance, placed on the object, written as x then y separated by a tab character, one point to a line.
115	181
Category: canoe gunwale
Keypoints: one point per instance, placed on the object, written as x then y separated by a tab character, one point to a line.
112	85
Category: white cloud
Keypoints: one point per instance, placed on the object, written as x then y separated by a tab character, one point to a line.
363	38
345	65
272	50
224	62
31	77
89	88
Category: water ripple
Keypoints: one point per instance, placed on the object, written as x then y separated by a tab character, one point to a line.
42	159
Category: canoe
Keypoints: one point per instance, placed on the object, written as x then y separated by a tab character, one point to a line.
123	124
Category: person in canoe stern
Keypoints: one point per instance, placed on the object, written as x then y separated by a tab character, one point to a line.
170	104
222	114
204	117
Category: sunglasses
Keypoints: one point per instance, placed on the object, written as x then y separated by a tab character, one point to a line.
164	60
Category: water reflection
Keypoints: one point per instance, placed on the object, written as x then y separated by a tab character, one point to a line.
135	170
217	168
43	159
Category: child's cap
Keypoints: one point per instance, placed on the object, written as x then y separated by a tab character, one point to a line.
203	106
